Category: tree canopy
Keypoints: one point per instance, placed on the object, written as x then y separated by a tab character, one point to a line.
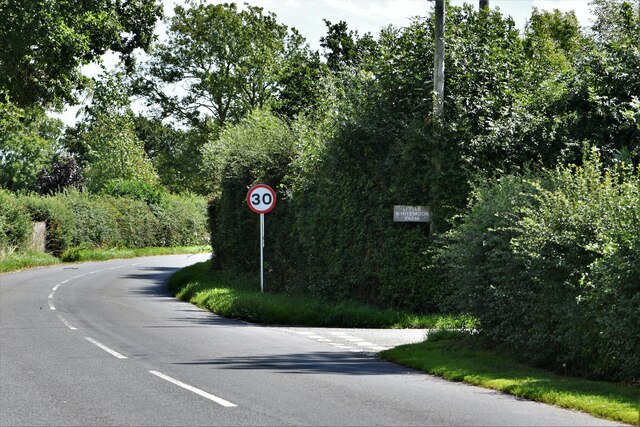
44	43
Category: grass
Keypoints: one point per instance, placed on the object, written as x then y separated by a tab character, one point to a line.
80	254
21	261
239	297
458	357
455	356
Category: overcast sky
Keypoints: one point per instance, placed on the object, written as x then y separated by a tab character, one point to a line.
361	15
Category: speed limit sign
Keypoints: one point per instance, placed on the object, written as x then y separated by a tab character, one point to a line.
261	199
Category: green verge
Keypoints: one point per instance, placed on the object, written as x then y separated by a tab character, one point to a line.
459	357
81	254
239	297
21	261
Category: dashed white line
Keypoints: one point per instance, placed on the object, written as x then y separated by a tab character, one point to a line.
105	348
51	295
195	390
63	320
51	307
79	276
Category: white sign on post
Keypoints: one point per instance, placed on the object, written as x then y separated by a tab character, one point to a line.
261	199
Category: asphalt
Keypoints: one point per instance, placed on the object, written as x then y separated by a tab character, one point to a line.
105	344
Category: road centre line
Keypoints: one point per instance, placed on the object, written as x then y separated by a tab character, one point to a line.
195	390
51	307
63	320
105	348
51	295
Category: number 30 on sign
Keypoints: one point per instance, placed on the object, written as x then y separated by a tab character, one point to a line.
261	199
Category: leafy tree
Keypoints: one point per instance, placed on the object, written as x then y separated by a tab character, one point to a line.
344	48
175	153
27	145
45	42
105	141
65	172
227	61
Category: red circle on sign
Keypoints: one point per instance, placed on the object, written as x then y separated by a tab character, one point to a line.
261	199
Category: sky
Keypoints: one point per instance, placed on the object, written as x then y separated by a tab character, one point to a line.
361	15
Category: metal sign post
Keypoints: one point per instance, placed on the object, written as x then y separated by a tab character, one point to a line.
261	199
262	253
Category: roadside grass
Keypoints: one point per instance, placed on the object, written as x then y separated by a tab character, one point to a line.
239	297
458	356
21	261
82	254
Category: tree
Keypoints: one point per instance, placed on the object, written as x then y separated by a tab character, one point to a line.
105	141
225	61
44	43
27	145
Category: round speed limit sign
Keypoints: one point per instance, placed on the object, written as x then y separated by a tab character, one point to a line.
261	199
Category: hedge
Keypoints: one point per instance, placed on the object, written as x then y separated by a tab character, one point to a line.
79	219
550	264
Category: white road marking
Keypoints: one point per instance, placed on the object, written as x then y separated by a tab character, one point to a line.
197	391
79	276
63	320
51	295
105	348
51	307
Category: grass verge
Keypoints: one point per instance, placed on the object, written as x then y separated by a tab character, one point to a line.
458	357
15	261
21	261
239	297
80	254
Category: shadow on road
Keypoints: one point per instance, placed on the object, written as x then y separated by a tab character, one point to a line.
306	363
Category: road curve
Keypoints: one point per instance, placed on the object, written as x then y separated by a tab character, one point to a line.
105	344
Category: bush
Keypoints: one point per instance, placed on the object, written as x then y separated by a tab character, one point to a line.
57	216
15	224
133	189
182	220
549	264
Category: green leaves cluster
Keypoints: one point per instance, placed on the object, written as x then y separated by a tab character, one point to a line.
549	264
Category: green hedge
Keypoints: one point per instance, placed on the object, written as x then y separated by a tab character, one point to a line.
15	224
77	219
550	264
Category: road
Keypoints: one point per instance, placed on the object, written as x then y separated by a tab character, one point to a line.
105	344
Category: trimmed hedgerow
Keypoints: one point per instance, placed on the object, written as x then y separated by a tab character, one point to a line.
550	265
76	219
15	224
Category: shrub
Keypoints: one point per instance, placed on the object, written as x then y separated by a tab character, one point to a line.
549	264
182	220
57	216
133	189
15	224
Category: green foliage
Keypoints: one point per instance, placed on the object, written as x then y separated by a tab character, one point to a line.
15	224
79	221
549	265
57	216
257	150
211	50
27	146
132	189
182	220
114	152
41	57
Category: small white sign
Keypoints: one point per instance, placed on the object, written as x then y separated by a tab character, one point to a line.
403	213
